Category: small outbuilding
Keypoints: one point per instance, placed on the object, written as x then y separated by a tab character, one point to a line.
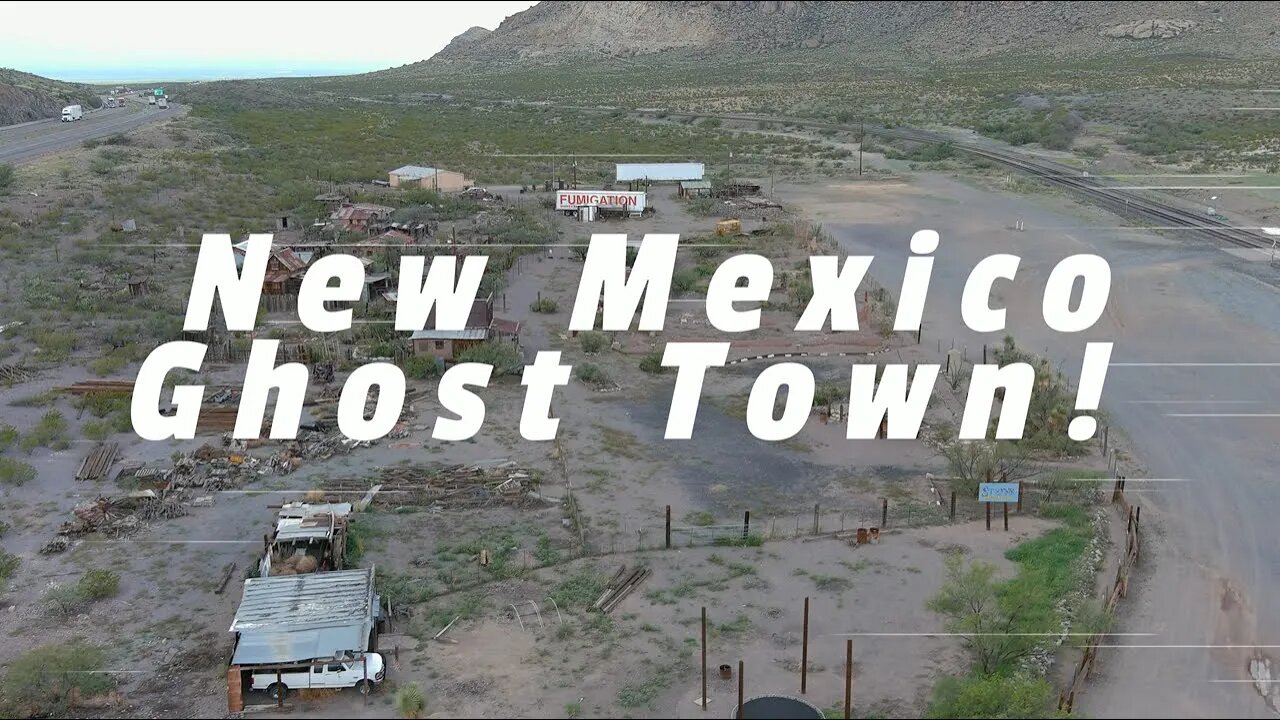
299	618
695	188
429	178
447	344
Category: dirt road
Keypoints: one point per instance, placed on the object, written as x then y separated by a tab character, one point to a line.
25	142
1209	580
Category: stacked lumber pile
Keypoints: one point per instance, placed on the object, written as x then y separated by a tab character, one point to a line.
96	464
100	387
619	587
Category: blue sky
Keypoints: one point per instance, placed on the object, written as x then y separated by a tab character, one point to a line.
119	41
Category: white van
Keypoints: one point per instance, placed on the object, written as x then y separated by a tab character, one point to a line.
72	113
331	674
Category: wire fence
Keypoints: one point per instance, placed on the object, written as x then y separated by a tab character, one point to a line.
947	506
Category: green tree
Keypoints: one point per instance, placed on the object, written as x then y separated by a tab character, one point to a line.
998	625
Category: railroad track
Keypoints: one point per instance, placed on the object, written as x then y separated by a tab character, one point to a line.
1125	202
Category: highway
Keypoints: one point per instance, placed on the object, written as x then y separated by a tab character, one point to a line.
28	141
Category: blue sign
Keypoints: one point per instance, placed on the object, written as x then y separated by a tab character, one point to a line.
998	492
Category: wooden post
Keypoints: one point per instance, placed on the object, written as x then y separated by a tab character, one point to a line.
984	354
739	690
279	689
1019	497
364	662
953	506
804	651
704	657
816	522
746	523
1005	506
235	690
988	515
884	513
668	527
848	678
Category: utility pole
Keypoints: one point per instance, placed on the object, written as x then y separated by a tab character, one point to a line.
729	167
861	137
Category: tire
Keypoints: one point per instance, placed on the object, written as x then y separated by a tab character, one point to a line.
364	687
277	691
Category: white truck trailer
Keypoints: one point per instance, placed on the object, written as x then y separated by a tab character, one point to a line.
71	113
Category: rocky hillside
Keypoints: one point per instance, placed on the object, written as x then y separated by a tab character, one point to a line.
24	97
556	30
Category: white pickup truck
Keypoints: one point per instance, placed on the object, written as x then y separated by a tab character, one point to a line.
331	674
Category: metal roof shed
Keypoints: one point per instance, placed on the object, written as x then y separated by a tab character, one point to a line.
660	172
296	618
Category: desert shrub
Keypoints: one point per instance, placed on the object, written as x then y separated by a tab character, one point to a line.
38	681
422	368
1013	696
684	281
7	177
544	305
503	356
652	363
592	374
50	432
8	563
592	342
8	436
14	472
98	584
410	701
98	430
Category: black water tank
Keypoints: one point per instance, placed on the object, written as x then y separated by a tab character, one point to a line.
777	707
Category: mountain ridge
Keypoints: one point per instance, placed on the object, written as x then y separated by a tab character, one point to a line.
564	30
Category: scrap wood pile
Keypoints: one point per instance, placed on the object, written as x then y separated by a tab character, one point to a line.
459	486
14	374
619	587
313	445
119	516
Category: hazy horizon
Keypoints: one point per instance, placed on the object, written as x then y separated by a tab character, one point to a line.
141	42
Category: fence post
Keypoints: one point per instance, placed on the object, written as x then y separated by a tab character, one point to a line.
816	522
884	513
1019	497
804	652
988	506
953	506
746	524
1005	506
668	527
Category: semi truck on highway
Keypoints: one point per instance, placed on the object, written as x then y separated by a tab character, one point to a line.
72	113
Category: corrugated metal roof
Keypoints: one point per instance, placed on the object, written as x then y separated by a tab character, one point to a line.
415	172
471	333
304	617
669	172
696	184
